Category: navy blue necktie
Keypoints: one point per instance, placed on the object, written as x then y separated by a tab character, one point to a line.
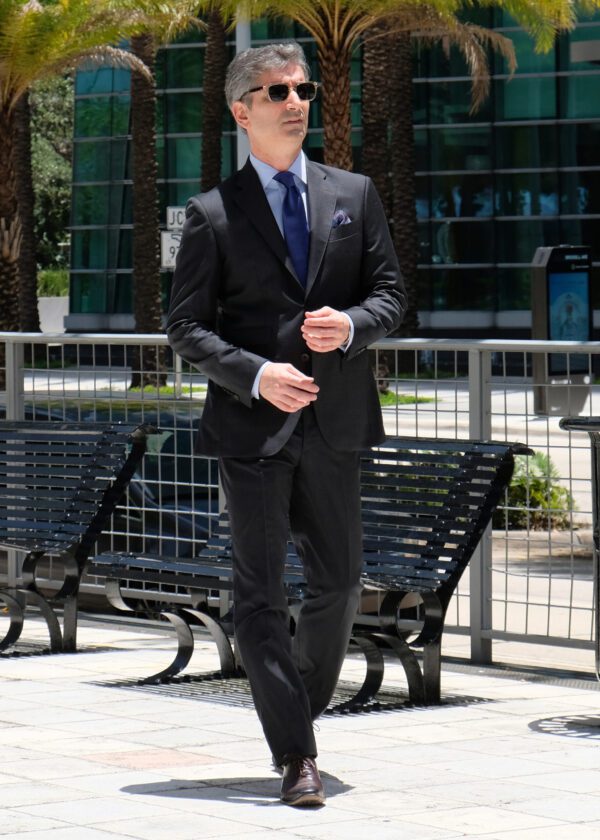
295	228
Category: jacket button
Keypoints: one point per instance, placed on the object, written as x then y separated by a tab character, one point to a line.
304	357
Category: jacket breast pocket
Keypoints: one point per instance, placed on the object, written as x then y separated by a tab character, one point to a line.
343	232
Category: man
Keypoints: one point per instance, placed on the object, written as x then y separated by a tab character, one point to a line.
286	273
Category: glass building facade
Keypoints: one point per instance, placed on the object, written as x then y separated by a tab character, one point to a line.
523	171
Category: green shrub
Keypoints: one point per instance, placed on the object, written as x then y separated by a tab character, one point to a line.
53	282
535	498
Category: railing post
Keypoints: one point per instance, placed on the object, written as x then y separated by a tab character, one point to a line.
480	428
15	410
15	376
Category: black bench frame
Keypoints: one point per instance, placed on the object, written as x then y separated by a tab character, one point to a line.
425	506
59	485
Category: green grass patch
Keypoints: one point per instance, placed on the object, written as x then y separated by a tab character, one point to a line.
390	398
168	390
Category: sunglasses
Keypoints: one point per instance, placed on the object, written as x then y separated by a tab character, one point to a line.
279	92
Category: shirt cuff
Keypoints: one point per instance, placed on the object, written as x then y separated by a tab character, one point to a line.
344	347
256	385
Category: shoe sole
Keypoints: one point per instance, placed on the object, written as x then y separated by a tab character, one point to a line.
306	799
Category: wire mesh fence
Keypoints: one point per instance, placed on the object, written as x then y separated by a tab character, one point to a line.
533	576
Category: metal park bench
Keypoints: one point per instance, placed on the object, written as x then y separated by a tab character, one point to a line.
59	485
425	507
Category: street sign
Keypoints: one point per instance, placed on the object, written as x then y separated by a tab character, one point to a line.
170	240
175	218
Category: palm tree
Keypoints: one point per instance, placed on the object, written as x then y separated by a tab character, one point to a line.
213	98
338	26
37	41
159	22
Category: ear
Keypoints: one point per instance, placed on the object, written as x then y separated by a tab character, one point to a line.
240	114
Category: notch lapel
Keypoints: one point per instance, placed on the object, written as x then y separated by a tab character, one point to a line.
321	205
251	198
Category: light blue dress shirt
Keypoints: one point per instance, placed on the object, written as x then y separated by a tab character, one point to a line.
275	193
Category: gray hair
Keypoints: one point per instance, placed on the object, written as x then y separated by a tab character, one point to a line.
247	67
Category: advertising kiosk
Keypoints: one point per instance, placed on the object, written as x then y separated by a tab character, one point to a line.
561	311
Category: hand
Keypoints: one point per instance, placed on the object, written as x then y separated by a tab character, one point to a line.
287	388
325	329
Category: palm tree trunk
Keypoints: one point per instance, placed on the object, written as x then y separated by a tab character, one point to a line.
148	364
375	111
405	231
213	100
10	237
334	64
28	301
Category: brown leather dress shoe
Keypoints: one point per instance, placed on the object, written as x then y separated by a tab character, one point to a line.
301	784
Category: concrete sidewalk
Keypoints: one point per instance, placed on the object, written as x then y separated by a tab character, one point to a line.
89	755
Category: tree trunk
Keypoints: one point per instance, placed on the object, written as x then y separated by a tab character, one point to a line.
29	317
375	109
405	231
148	366
213	100
334	65
10	237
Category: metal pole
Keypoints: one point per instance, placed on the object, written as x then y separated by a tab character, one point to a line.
480	412
15	410
243	41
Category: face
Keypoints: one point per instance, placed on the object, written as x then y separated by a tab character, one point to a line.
274	127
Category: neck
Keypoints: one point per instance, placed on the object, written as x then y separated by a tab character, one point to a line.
279	159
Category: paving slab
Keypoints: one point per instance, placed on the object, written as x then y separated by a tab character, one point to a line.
88	754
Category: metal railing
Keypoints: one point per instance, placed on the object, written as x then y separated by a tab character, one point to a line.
531	580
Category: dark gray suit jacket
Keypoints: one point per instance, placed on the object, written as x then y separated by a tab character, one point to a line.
236	303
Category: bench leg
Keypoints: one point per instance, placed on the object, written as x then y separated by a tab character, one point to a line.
432	655
414	675
49	616
185	649
70	624
229	667
373	676
15	615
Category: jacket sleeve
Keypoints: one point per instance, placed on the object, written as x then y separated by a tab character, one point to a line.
384	301
192	318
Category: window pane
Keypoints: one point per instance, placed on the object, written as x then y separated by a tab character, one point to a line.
514	288
529	99
458	242
183	67
91	161
581	33
528	61
527	194
88	293
184	113
460	148
517	241
183	157
102	80
526	147
580	96
451	102
90	205
579	144
584	232
89	248
580	192
93	117
461	195
121	210
464	289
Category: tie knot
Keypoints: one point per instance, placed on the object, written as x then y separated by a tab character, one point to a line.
285	178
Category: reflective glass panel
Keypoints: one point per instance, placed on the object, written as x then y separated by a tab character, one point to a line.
459	241
461	148
580	96
517	241
525	99
526	147
527	194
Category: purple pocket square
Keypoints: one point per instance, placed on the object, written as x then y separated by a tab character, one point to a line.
340	217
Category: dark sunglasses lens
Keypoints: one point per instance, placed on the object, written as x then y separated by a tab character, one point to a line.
306	91
278	93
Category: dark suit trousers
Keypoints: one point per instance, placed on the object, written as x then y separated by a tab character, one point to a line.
313	491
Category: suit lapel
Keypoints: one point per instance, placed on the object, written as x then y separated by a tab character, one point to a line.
321	206
250	197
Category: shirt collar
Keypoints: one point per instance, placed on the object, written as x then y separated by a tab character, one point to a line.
266	172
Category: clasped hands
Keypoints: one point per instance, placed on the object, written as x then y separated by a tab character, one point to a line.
285	386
